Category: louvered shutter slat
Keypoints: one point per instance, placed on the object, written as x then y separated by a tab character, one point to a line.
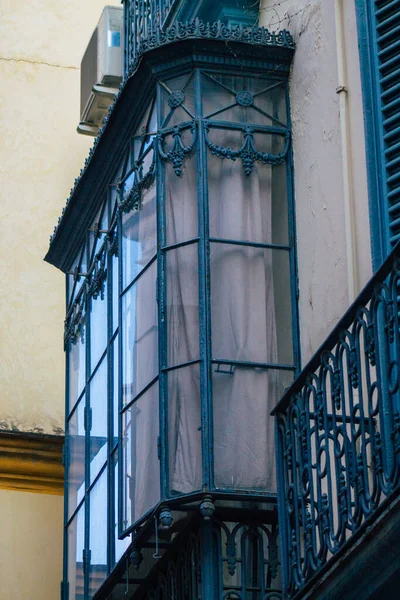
387	15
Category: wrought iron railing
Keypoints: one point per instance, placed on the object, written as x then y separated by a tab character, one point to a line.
142	20
338	434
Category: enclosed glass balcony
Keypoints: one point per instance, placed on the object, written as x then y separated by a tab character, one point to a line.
181	326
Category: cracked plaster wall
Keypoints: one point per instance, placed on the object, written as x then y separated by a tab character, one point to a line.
41	46
317	161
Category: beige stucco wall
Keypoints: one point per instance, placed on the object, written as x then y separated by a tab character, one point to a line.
41	45
320	212
30	547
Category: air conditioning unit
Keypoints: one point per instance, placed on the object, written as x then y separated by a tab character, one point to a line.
101	70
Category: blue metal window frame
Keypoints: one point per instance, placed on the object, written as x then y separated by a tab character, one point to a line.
84	396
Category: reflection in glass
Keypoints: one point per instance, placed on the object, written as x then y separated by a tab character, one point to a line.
76	457
141	471
250	304
115	294
120	545
98	412
98	534
76	536
244	455
115	397
98	327
182	304
76	368
139	239
140	334
184	430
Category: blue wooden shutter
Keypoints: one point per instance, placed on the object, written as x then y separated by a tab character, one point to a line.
387	15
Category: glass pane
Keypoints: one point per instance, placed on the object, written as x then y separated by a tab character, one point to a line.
251	317
141	467
81	264
244	207
98	327
76	457
139	238
182	304
279	205
98	534
178	100
74	286
76	533
115	398
76	368
97	239
254	100
272	101
181	202
184	430
214	96
140	334
183	84
244	455
120	545
99	413
141	130
115	293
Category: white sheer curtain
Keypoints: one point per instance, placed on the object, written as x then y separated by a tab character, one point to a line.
184	414
243	329
243	326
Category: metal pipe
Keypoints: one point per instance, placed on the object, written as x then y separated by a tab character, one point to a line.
347	172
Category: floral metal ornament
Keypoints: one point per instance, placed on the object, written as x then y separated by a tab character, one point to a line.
133	198
176	99
178	152
245	99
74	321
98	277
248	153
210	31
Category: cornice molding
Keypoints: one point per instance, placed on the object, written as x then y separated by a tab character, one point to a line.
31	462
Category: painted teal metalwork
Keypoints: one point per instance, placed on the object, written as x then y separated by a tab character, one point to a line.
248	153
338	433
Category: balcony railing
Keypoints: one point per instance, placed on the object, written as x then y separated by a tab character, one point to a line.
338	434
142	20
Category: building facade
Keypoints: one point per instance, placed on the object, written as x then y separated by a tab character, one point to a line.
240	195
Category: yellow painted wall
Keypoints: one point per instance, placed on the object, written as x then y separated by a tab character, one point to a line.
30	547
41	46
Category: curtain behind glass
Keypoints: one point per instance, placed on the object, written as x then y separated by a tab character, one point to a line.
243	323
184	437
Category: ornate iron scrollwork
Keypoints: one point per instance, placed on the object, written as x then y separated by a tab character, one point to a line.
178	152
341	423
248	153
133	198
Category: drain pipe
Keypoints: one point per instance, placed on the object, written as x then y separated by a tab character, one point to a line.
348	196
